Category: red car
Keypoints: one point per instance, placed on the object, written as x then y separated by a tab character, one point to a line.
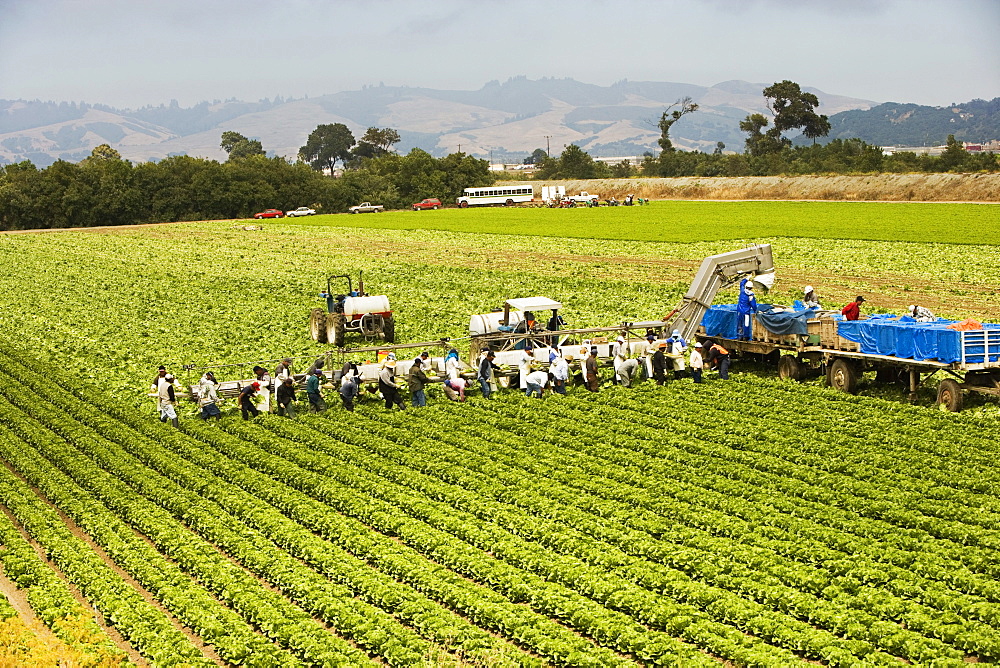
270	213
430	203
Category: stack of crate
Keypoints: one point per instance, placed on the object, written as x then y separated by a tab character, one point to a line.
830	339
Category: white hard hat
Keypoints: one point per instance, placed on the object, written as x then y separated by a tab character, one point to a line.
807	289
911	308
698	345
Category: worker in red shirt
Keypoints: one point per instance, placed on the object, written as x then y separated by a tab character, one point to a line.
853	310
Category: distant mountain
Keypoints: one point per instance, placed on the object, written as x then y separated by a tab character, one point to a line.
508	119
894	124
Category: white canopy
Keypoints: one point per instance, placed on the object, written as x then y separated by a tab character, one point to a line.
533	304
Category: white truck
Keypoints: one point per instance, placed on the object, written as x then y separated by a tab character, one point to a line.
584	197
367	207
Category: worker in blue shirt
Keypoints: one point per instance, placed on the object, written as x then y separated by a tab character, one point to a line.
745	308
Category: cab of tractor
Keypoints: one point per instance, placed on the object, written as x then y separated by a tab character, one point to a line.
353	311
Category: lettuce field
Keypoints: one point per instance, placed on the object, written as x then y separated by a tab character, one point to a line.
749	522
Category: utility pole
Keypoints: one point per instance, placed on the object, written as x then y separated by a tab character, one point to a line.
459	148
547	138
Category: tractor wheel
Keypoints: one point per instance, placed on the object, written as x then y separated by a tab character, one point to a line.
335	329
950	395
789	368
389	330
843	376
317	325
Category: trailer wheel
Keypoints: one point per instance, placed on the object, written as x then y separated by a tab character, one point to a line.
789	368
389	330
317	325
842	376
950	395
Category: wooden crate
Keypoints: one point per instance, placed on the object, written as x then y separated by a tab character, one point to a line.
830	339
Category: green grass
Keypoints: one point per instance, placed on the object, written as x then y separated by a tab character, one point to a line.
704	221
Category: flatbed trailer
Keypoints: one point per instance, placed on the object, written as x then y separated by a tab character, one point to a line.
822	351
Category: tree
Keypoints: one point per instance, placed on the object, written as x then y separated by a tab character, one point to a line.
104	152
375	143
326	145
719	148
238	146
794	109
668	118
954	155
536	157
757	142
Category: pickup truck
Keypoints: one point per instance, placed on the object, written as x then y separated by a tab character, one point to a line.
366	207
582	197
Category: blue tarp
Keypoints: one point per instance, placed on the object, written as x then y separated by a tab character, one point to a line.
786	322
905	337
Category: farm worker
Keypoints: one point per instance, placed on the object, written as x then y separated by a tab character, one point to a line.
660	363
487	368
417	381
387	383
619	353
208	396
246	400
697	364
167	399
350	371
555	323
560	373
628	372
677	346
527	325
745	308
161	371
284	369
423	357
286	397
590	375
349	390
524	360
537	380
853	310
584	354
452	365
313	380
264	381
644	353
809	298
454	388
718	358
920	313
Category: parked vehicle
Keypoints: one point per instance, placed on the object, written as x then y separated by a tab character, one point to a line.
584	197
301	211
270	213
367	207
496	195
429	203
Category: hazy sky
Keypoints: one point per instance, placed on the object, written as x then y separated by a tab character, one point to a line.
130	53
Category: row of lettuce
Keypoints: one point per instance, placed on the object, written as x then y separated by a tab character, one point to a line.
596	530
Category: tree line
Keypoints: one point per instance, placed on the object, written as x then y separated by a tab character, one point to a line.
104	189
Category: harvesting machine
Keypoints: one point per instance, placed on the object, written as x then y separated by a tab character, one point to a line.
352	312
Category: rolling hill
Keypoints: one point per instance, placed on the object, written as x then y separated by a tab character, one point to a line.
510	119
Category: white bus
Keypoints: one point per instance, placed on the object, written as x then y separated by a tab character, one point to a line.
505	195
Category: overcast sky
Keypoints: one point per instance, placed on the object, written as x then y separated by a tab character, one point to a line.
129	53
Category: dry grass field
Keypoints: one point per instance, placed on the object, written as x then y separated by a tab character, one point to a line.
870	187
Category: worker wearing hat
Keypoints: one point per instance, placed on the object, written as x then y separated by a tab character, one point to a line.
697	362
387	383
920	313
208	396
313	382
487	374
283	369
247	407
166	398
746	306
809	298
619	353
660	363
853	310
